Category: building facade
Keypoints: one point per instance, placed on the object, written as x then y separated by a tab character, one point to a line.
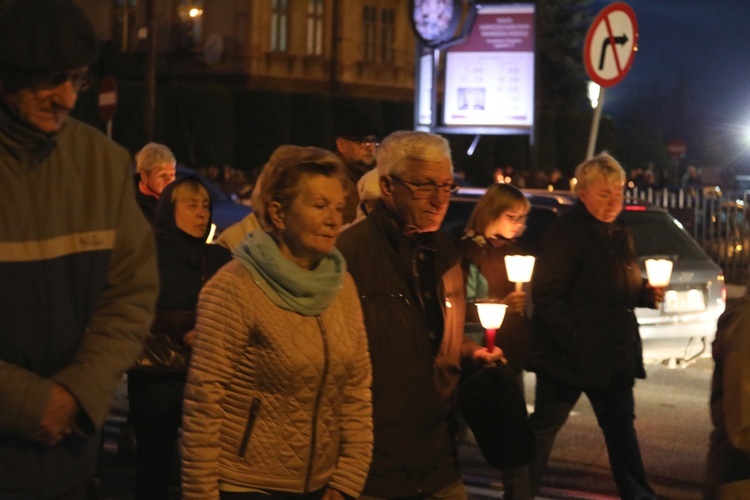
360	48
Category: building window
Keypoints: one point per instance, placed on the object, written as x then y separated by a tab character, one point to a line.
279	25
124	14
369	32
315	27
378	34
190	13
387	34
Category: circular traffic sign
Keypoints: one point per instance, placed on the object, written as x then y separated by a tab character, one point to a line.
107	97
676	147
611	44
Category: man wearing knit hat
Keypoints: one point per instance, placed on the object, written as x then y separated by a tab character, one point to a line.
77	267
356	140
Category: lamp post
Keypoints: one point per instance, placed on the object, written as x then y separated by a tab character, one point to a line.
491	315
519	268
658	272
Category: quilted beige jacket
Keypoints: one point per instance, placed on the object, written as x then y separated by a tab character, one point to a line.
275	400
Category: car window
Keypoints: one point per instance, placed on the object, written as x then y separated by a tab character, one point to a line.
657	233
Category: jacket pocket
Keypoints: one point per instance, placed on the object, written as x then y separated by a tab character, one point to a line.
251	417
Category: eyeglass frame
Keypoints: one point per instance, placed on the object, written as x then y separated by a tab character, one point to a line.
449	188
79	80
516	219
359	140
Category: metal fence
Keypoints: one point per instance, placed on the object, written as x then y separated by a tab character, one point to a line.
717	221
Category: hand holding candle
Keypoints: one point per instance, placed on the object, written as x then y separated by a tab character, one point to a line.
491	315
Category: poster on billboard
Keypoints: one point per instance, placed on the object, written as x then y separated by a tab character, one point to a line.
489	78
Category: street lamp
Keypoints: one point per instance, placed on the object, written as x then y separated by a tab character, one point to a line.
491	315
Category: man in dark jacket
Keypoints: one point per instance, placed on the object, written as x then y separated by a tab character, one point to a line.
155	169
585	337
356	140
78	275
411	285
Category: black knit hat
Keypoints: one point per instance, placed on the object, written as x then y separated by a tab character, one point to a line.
356	125
45	36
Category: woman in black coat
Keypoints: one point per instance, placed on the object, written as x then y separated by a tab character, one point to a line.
182	224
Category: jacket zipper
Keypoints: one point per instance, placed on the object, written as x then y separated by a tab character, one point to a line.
317	402
252	415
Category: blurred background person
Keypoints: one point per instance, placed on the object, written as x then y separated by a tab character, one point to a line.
155	168
728	460
357	139
497	220
278	401
155	385
585	338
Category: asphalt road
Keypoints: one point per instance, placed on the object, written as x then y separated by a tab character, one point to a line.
673	425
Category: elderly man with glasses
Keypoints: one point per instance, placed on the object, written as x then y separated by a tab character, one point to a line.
78	276
412	290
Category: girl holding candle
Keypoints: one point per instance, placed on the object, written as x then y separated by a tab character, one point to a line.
278	402
498	219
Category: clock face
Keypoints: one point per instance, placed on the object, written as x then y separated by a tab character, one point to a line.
432	18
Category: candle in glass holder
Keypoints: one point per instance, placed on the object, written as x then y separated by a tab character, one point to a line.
519	268
491	315
658	272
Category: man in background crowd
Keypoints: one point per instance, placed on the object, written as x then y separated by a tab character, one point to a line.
155	169
356	140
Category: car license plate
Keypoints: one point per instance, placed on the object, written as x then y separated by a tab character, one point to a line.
679	301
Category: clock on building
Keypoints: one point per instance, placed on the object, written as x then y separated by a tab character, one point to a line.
435	21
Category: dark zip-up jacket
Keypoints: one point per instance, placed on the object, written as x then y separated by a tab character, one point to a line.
413	383
78	284
585	287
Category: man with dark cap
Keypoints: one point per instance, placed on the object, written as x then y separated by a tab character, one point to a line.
356	140
78	278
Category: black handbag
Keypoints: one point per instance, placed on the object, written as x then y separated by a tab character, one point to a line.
494	408
164	349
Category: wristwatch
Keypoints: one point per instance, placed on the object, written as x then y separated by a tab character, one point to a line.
435	21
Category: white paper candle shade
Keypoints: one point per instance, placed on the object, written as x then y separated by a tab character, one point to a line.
491	314
520	268
658	272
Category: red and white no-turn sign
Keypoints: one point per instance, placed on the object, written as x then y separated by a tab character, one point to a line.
611	44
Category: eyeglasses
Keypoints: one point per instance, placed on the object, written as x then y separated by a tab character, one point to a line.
80	80
363	141
424	190
516	219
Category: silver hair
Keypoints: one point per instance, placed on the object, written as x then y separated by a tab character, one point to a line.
396	150
151	155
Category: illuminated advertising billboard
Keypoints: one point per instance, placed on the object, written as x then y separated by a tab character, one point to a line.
489	78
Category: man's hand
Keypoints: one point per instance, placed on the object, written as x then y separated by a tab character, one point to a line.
490	357
57	421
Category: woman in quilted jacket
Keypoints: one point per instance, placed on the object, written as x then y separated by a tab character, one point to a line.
278	403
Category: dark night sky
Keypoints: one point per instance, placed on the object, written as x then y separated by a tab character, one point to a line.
707	41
